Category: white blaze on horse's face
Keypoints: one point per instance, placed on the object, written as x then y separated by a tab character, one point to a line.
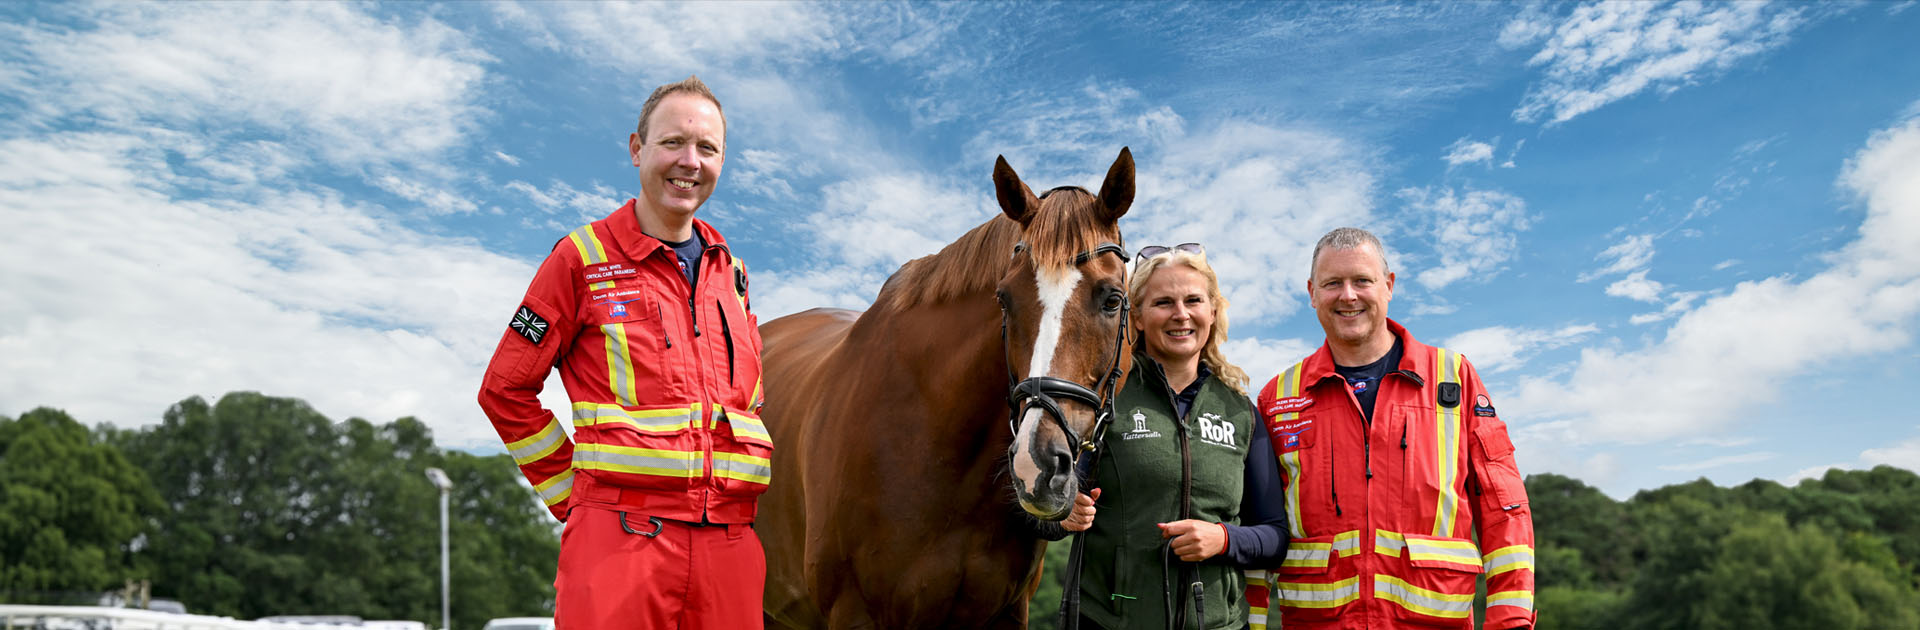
1055	290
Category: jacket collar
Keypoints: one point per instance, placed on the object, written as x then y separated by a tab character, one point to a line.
624	226
1145	366
1413	359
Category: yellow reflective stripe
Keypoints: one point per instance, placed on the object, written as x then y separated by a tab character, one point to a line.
539	444
1255	576
1311	595
619	364
1460	552
556	489
592	251
1447	444
1388	543
1301	554
638	461
747	425
1347	543
656	420
1290	462
1256	618
758	383
1517	599
742	467
1507	559
1421	600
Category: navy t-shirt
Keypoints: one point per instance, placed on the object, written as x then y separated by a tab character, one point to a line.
1365	380
688	251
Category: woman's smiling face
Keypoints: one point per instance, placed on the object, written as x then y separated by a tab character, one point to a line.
1177	314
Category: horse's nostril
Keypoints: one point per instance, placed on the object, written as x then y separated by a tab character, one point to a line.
1062	466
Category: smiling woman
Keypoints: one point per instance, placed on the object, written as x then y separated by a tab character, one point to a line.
1183	471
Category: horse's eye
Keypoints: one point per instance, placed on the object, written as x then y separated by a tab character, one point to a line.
1001	297
1114	301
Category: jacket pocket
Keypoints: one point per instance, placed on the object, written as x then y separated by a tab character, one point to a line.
1437	588
742	453
638	447
1496	471
1307	586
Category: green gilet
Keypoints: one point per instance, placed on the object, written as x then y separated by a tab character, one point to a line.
1123	583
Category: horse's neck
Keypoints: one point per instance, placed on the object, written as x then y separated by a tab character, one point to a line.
951	354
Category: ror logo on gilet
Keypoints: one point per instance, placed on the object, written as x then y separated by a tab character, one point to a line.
1215	430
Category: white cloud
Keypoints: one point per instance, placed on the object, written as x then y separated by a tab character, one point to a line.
586	206
652	40
1761	333
1608	51
883	221
1724	264
508	159
1636	286
287	290
1682	300
1514	152
1264	359
1465	151
1719	462
1474	233
1501	348
1903	455
339	85
1631	253
438	200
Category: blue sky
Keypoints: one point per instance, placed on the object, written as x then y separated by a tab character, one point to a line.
1679	240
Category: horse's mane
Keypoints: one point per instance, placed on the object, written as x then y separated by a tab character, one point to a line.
1066	224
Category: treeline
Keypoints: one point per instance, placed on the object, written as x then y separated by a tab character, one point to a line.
257	506
1839	552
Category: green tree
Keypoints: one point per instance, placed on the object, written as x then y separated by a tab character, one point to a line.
70	506
272	509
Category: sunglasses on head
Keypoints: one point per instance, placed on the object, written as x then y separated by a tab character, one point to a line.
1151	251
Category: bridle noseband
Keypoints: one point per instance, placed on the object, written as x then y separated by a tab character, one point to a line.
1041	391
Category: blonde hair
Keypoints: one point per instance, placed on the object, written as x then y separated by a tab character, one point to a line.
1210	354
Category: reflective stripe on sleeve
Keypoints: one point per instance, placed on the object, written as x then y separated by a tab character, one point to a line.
1421	600
1507	559
1312	595
664	420
539	444
556	489
742	467
638	461
1517	599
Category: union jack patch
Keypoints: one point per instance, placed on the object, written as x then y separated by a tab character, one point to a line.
529	325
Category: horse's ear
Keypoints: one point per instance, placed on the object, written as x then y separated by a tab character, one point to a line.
1116	194
1015	198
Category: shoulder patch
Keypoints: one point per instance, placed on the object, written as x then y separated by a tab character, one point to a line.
1483	406
529	324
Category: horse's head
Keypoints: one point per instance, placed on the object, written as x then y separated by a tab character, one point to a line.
1064	306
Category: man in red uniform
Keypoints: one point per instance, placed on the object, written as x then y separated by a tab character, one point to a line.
1393	464
645	313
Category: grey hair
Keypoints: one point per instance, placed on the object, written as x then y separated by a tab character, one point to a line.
1348	238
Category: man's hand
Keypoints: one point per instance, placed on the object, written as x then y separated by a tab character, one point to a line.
1195	540
1081	518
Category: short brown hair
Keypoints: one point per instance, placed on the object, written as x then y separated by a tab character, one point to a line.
691	85
1348	238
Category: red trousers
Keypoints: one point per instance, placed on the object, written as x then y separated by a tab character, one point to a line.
682	576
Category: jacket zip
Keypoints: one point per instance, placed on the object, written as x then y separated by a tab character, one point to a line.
726	332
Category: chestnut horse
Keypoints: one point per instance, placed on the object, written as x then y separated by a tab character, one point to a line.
894	497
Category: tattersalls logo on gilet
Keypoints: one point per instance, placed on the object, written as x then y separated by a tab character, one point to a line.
1140	429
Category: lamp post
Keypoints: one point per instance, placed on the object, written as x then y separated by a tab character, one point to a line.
440	480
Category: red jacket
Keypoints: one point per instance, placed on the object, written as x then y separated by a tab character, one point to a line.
665	383
1384	516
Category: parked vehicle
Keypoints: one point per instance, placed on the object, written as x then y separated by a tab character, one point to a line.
520	623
